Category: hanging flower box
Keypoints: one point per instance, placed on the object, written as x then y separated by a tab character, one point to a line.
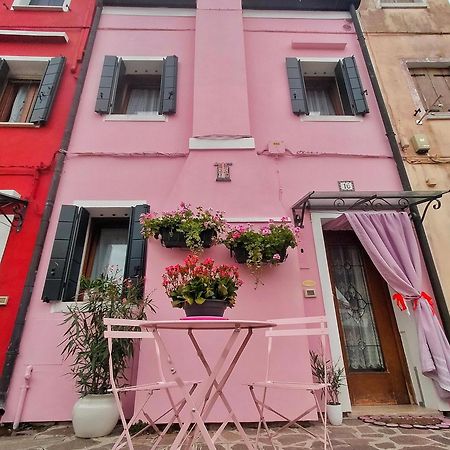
195	229
267	245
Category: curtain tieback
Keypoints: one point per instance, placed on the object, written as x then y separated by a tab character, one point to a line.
401	302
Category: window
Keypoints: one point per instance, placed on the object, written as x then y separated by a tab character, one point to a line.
57	5
134	86
27	89
106	246
326	88
433	87
87	242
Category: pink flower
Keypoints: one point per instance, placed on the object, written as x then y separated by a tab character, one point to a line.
277	257
265	230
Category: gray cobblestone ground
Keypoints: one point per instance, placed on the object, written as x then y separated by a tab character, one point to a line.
353	434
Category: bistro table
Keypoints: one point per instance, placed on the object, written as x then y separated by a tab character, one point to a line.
201	400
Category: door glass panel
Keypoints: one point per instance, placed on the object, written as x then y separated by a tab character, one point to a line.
362	343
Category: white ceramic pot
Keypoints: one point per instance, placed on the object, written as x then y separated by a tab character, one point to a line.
94	416
334	414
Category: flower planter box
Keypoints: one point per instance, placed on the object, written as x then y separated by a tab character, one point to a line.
241	255
177	239
211	307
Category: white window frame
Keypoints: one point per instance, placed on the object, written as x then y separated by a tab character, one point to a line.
25	4
418	64
144	116
5	223
325	118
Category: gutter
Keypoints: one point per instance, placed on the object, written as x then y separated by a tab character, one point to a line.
416	219
14	343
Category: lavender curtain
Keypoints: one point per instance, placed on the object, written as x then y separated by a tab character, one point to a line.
390	242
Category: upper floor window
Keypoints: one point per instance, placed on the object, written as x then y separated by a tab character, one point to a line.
137	86
326	88
433	87
27	88
56	5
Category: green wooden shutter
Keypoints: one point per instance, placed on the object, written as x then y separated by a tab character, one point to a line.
47	90
65	260
168	94
4	69
137	245
296	86
351	90
107	84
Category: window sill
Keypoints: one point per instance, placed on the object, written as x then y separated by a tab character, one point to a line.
41	8
403	5
331	119
135	118
18	125
438	116
221	144
61	307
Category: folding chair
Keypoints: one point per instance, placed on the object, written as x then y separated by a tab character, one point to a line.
285	328
132	333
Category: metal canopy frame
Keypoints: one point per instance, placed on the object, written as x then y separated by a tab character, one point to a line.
343	201
14	206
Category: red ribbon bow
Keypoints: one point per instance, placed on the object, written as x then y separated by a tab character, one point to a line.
401	303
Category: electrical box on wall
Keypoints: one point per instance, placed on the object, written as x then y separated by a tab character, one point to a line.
3	300
309	292
420	144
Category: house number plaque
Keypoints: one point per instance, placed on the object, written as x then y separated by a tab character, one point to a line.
346	185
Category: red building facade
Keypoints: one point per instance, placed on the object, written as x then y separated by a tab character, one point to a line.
42	45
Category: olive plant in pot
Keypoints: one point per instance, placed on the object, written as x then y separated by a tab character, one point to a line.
335	377
202	288
192	228
95	414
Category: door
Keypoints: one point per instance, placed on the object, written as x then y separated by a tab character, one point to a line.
373	355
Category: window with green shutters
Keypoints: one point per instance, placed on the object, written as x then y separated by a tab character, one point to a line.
325	88
143	87
28	89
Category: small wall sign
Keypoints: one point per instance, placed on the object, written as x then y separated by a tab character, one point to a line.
223	171
346	185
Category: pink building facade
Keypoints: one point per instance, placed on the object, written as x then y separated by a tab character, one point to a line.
234	105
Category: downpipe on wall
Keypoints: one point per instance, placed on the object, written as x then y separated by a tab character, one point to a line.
416	218
22	396
14	343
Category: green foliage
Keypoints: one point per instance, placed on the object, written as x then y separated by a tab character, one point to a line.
335	376
84	344
191	223
264	246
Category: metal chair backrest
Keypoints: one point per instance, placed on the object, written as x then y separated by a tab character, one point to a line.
111	334
297	326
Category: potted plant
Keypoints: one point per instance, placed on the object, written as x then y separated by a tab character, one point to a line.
95	414
267	245
186	227
202	288
335	378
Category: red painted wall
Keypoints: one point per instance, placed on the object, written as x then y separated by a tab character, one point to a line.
27	155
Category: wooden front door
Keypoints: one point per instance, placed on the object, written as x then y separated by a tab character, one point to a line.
374	361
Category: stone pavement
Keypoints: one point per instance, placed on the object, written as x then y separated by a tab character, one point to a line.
353	434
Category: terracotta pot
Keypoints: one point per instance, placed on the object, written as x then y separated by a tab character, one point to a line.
212	307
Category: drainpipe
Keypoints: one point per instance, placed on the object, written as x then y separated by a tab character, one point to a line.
418	225
14	343
22	396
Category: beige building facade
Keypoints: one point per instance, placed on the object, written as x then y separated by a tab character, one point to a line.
409	43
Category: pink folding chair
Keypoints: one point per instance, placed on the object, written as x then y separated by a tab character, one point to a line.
286	328
133	329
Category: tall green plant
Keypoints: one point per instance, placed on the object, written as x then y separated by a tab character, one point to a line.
335	376
84	343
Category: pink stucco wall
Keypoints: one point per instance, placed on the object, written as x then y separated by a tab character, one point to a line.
110	160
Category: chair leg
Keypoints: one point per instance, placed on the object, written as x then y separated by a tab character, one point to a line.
262	420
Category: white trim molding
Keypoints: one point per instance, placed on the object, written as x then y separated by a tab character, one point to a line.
247	143
278	14
144	117
25	4
55	36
